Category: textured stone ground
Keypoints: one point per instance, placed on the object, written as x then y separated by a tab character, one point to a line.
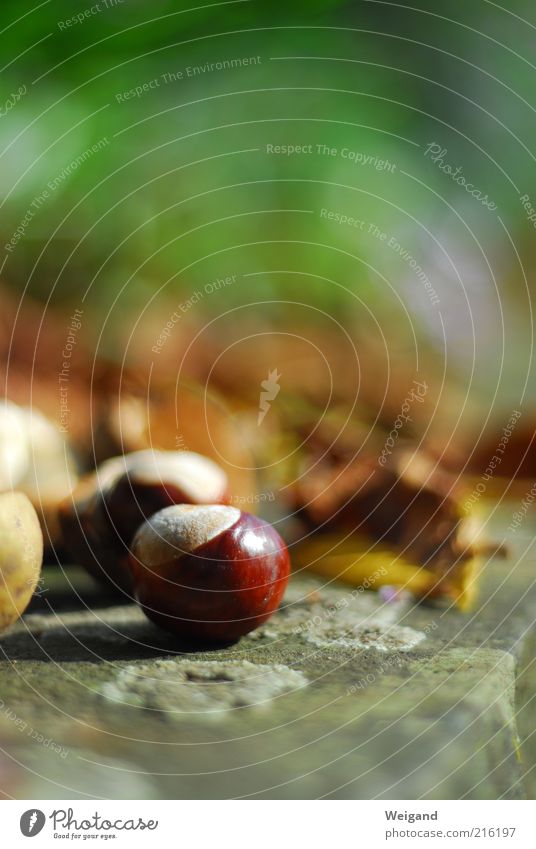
339	695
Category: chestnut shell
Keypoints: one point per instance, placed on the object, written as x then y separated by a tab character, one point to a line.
225	589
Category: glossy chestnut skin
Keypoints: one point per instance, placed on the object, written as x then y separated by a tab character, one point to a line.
206	575
101	517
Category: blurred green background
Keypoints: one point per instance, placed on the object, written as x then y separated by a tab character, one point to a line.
182	189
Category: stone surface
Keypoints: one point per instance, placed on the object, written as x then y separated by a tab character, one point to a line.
340	695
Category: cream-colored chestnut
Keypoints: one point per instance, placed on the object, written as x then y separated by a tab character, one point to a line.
36	459
21	555
14	454
104	512
153	480
201	480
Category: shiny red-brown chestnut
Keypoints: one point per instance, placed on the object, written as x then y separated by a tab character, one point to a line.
208	572
101	517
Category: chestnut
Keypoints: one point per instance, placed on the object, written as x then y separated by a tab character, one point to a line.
21	555
208	572
85	535
36	459
101	517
